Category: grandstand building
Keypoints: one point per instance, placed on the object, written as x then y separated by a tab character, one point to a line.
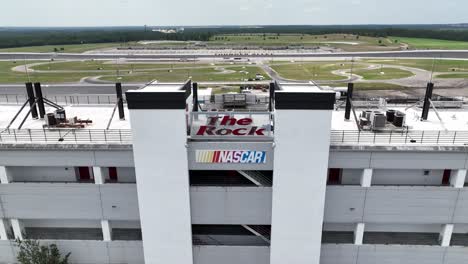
171	174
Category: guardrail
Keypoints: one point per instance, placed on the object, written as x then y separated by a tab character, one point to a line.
74	136
338	137
345	137
87	99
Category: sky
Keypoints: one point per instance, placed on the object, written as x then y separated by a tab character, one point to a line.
62	13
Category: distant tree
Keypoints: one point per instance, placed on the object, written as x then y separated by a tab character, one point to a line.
31	252
55	50
380	41
62	48
396	41
357	36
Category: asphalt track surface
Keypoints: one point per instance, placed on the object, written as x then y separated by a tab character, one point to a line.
449	54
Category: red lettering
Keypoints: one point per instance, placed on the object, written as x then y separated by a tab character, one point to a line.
223	132
259	132
255	131
232	121
237	132
244	121
206	129
213	120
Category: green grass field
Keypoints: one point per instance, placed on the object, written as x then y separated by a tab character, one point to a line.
312	70
424	43
93	65
74	48
9	76
383	74
427	64
144	73
370	86
346	42
378	86
453	76
240	73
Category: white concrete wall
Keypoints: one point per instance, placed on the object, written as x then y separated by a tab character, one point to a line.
406	177
42	174
351	176
159	138
62	223
417	228
124	174
231	255
66	157
231	205
299	184
345	227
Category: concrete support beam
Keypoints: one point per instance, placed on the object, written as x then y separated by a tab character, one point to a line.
359	233
446	235
298	200
106	230
98	178
457	179
366	178
162	173
18	229
3	229
4	178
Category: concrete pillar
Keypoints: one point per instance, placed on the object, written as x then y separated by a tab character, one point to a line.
106	230
457	179
446	235
3	229
98	178
302	137
159	128
366	177
359	233
4	178
18	229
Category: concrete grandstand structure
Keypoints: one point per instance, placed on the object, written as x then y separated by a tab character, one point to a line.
286	176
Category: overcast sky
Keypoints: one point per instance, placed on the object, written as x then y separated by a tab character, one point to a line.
229	12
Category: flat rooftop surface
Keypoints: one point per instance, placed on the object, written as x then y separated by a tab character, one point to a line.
452	119
155	87
99	114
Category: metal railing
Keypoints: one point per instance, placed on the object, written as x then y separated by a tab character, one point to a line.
350	137
88	99
75	136
338	137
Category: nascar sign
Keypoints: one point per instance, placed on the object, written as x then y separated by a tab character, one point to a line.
230	156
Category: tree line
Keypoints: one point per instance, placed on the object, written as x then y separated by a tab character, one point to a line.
20	37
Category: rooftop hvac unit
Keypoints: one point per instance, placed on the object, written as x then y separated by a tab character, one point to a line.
50	119
367	114
379	120
60	115
399	120
390	115
234	100
373	114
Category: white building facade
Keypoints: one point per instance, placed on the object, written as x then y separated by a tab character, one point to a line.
253	187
